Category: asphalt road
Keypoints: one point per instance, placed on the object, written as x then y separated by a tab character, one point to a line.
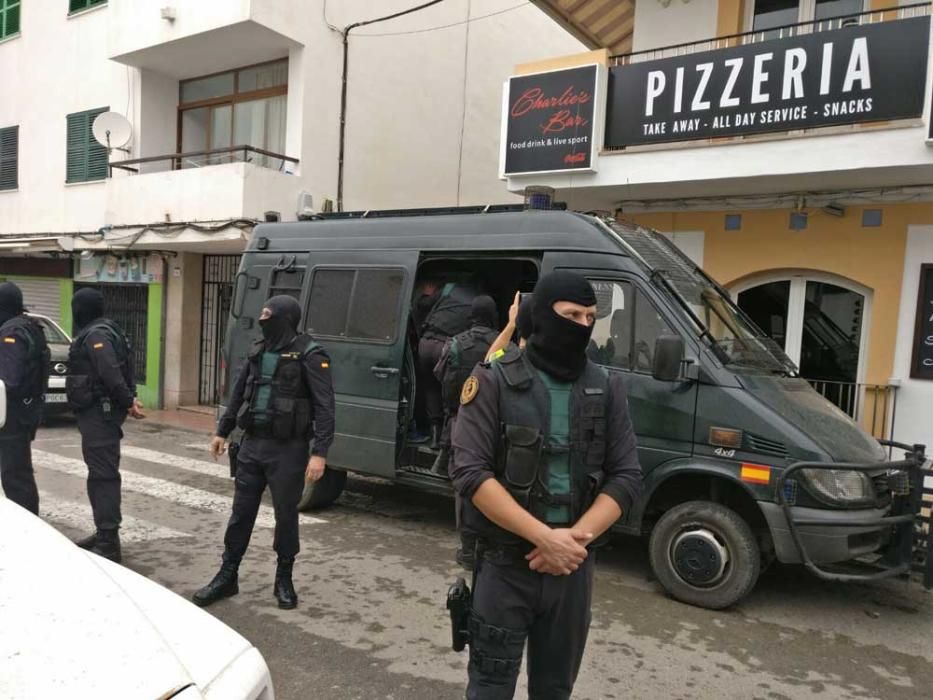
374	570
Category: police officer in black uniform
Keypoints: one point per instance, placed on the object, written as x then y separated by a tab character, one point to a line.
24	369
544	458
460	355
283	397
102	392
441	312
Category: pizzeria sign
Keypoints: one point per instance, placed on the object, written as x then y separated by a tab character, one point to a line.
855	74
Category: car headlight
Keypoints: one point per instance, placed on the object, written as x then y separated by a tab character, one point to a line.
840	486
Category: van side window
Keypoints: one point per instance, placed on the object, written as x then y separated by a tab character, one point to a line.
357	304
287	281
627	325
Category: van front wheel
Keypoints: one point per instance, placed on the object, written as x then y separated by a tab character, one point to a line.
704	554
323	492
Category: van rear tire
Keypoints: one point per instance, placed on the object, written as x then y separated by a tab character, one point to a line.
712	545
323	492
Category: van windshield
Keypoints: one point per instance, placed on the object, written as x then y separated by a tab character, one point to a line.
737	339
734	338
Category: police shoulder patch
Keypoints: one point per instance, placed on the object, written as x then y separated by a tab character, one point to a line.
470	390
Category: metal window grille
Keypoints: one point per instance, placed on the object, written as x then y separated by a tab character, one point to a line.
217	294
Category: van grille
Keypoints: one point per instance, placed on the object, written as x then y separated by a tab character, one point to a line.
756	443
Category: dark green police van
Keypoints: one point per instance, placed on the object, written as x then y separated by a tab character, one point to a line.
744	463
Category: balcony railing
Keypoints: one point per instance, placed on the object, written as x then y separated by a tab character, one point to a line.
919	9
873	406
200	159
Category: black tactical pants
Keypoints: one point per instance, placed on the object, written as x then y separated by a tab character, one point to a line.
100	446
512	603
281	464
429	353
16	475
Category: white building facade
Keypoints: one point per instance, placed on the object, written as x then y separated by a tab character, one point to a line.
232	112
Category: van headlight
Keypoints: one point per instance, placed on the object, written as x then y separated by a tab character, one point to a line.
840	486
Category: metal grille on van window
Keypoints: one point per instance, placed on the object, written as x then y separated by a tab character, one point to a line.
756	443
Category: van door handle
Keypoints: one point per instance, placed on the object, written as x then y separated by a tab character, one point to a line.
383	372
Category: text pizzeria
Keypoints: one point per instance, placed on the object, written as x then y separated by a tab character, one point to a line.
763	86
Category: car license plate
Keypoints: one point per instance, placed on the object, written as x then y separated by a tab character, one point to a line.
55	398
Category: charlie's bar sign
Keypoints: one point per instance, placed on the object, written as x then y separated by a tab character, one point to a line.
854	74
549	123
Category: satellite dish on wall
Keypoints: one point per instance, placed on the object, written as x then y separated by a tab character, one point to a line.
112	130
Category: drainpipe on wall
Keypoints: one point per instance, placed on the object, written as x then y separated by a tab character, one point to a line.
343	85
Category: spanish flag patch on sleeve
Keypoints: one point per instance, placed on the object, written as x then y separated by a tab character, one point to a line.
325	365
98	346
8	339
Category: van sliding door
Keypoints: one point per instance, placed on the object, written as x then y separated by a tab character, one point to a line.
357	309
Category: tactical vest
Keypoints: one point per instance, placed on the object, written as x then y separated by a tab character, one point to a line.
82	385
523	450
25	405
467	350
288	412
451	313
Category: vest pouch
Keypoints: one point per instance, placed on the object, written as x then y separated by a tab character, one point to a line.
523	446
80	391
283	418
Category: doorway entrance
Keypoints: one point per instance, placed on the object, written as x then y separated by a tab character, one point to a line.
820	321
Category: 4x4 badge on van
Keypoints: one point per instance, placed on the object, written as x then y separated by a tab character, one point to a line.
469	391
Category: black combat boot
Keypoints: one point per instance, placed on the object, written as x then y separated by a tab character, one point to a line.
284	590
224	584
107	545
88	542
441	463
436	429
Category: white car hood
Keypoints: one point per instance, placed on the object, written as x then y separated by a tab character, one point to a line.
71	621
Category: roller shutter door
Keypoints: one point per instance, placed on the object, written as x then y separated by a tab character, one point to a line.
42	297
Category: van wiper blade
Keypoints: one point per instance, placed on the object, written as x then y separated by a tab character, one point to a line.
660	275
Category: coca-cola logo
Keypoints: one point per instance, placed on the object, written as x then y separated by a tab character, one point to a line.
561	118
572	158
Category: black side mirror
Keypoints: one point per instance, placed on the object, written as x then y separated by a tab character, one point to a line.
668	356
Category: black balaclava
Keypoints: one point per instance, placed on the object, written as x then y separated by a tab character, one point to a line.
86	305
558	345
483	312
281	327
524	324
11	302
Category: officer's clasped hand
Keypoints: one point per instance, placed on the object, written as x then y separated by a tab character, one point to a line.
560	552
136	410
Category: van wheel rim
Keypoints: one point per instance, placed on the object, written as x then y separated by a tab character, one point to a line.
699	558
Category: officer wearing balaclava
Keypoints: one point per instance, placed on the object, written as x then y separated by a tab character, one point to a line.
283	399
101	387
24	369
544	458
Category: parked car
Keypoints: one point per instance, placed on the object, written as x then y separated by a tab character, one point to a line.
59	341
77	625
744	463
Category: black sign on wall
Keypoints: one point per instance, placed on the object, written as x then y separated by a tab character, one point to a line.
853	74
921	365
550	123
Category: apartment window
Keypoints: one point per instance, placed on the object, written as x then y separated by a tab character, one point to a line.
242	107
770	14
9	18
78	5
9	158
87	159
